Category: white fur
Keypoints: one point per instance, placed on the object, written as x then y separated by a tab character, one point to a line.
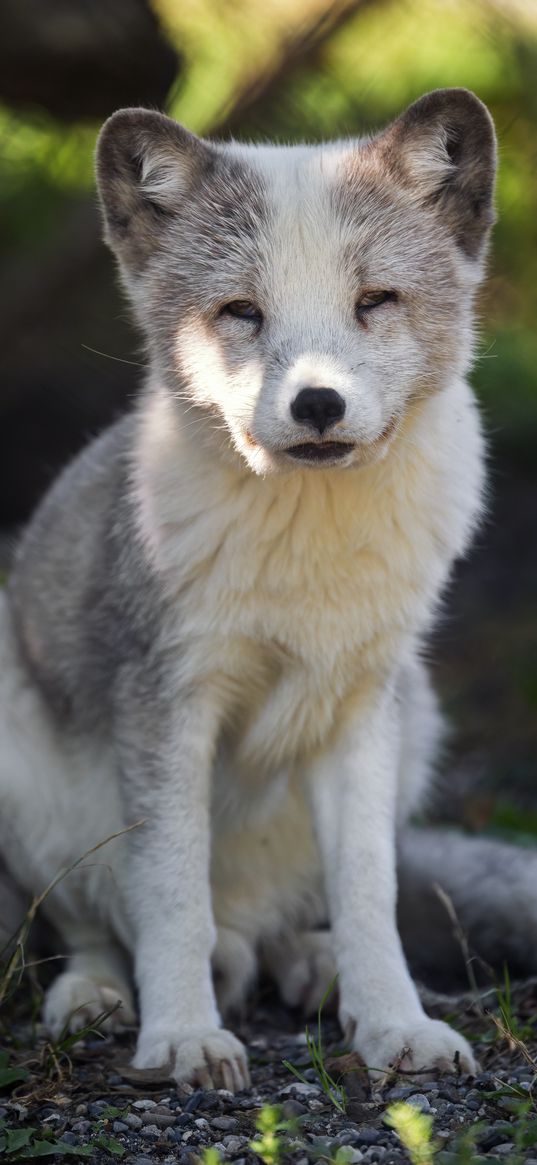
371	549
297	602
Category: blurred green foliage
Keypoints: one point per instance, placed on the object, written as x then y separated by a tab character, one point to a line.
375	62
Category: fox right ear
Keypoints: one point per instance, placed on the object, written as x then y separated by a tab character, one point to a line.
443	148
146	165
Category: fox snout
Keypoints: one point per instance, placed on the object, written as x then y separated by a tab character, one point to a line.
319	408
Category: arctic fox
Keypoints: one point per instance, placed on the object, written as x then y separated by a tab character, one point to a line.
213	627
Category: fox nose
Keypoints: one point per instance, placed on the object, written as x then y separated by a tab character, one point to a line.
319	407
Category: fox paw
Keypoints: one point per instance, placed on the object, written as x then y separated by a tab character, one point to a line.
74	1001
206	1058
422	1049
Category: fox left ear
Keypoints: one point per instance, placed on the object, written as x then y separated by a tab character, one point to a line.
147	165
444	147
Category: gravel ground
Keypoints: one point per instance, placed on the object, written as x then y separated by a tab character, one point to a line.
92	1098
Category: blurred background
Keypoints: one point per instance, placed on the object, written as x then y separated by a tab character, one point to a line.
284	69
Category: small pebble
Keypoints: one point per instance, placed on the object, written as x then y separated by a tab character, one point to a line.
234	1145
174	1135
133	1121
144	1105
151	1132
69	1138
194	1101
184	1118
300	1089
120	1127
162	1120
225	1124
419	1100
292	1109
401	1092
81	1126
349	1137
369	1136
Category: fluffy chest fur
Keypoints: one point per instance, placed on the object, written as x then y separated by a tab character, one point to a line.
291	595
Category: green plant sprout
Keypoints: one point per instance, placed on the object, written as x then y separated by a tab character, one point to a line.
335	1093
415	1131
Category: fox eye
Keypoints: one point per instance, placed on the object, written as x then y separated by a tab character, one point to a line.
243	309
372	299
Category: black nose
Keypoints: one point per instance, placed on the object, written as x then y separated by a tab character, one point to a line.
320	407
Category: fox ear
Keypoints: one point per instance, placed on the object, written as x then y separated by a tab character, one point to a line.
146	165
444	148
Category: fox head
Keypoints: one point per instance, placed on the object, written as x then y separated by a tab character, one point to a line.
298	301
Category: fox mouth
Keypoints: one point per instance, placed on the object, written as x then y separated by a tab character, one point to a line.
328	451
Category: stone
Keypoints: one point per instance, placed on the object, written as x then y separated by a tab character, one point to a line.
81	1126
368	1136
194	1101
225	1124
162	1120
292	1109
419	1100
300	1090
234	1145
151	1132
120	1127
401	1092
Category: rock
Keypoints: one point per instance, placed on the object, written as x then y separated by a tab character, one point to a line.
234	1145
194	1101
401	1092
368	1136
225	1124
211	1101
419	1100
133	1121
120	1127
151	1132
300	1089
145	1105
175	1136
184	1118
292	1109
162	1120
69	1138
